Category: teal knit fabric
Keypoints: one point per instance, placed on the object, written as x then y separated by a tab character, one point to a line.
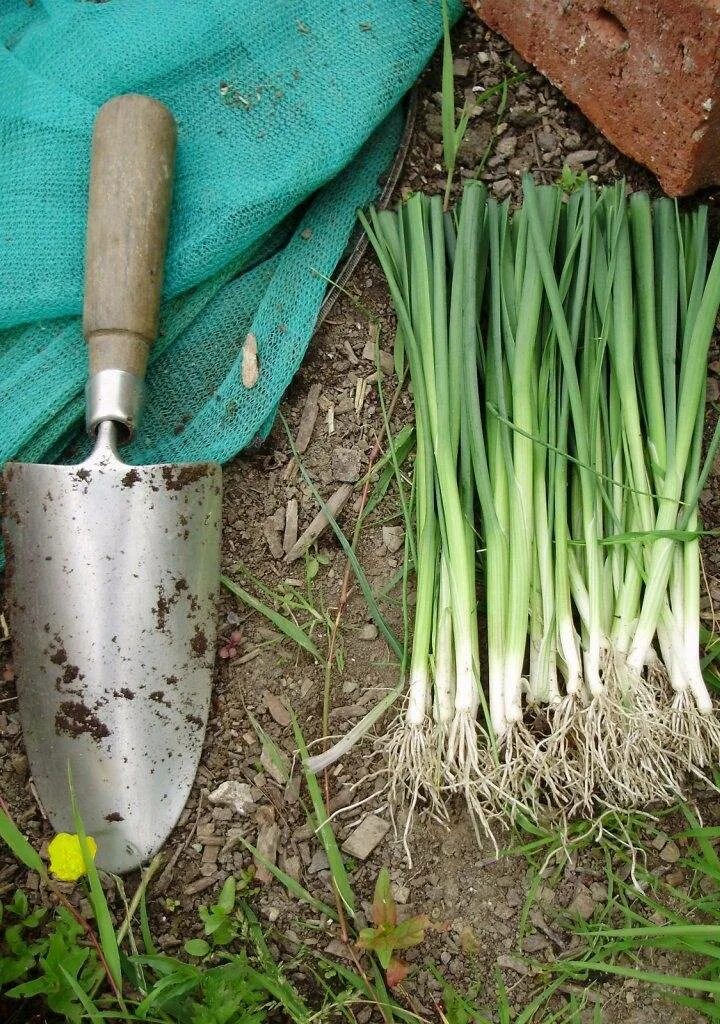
287	115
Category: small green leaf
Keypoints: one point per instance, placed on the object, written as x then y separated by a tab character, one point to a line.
380	942
384	911
197	947
226	899
410	932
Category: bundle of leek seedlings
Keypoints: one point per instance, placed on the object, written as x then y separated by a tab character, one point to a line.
557	354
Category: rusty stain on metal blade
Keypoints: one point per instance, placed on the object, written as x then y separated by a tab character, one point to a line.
113	572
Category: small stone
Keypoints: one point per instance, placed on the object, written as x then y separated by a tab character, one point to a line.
237	795
660	840
546	140
277	709
393	537
581	157
19	764
583	905
368	631
502	188
267	842
503	911
369	833
201	884
535	943
290	534
461	66
272	536
675	878
670	853
598	891
506	146
337	949
512	963
387	363
522	117
290	864
318	863
346	465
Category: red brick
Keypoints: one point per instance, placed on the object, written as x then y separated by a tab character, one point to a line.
647	72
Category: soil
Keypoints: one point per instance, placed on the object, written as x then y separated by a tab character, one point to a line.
475	897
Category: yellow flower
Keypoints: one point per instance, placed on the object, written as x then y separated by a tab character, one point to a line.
66	859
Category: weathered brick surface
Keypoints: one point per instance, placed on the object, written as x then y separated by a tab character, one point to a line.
647	72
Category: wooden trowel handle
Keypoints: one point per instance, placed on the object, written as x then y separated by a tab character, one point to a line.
131	173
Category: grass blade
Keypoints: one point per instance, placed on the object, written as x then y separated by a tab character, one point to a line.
20	847
285	625
90	1009
106	930
293	887
324	828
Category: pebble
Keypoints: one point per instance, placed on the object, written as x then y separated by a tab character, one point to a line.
522	117
318	863
386	360
393	537
461	66
346	465
290	864
659	841
582	156
502	188
583	904
670	853
535	943
368	631
201	884
371	831
236	795
546	140
598	891
290	534
512	963
277	709
267	842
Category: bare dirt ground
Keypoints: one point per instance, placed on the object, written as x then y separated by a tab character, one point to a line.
477	897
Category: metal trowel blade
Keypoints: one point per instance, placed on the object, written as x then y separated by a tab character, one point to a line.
113	571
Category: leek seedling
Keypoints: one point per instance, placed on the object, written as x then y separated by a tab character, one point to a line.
557	356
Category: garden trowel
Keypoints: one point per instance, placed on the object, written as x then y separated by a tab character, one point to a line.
113	569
